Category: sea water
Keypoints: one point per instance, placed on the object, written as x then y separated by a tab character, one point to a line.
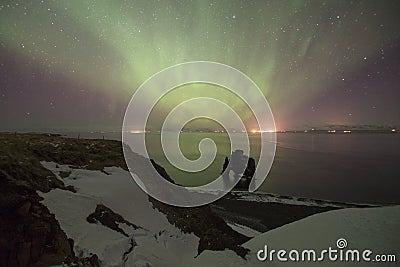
362	168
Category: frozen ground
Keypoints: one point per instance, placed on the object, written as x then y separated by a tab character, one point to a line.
262	197
157	243
376	229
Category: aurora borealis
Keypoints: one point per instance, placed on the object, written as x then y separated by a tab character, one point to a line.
73	65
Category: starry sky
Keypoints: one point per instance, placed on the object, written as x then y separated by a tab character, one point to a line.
74	65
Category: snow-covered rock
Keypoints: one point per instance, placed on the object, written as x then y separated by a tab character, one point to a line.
158	243
375	229
155	243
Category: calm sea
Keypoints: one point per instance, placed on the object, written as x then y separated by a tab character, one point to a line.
361	168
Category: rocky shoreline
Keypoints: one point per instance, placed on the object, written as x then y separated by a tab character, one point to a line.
30	234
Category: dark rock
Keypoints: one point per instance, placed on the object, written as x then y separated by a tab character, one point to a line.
31	236
162	171
94	261
226	163
23	210
237	165
213	231
109	218
250	169
27	239
64	174
70	188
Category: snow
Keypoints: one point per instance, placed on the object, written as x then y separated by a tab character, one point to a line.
161	244
158	244
71	211
244	230
376	229
272	198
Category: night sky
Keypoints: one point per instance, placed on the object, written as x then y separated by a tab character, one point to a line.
74	65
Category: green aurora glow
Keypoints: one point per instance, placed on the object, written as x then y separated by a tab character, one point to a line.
295	51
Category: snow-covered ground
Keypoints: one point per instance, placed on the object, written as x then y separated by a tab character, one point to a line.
376	229
158	244
290	200
244	230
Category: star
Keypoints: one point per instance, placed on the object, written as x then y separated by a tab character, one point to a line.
92	54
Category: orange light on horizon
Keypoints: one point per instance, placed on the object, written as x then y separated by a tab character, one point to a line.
136	131
262	131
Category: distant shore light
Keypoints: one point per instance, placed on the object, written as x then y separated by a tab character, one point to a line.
262	131
136	131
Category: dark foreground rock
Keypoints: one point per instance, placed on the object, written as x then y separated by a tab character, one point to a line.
110	219
262	216
213	231
31	236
